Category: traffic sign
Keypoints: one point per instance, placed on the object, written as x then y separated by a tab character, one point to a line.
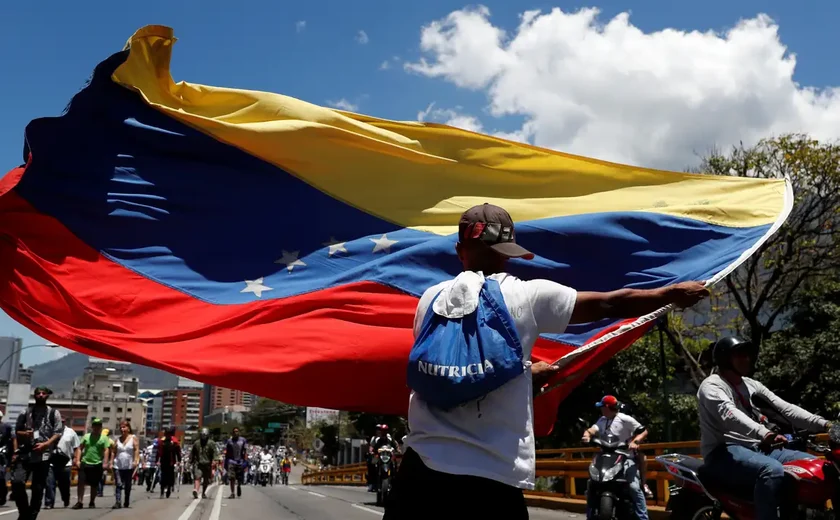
317	444
275	425
269	430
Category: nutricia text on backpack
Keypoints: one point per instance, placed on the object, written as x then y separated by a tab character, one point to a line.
458	360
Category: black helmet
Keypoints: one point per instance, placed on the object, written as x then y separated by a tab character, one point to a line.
723	349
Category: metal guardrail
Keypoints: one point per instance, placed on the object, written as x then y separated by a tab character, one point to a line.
570	465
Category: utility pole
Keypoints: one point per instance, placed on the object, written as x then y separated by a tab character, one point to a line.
663	322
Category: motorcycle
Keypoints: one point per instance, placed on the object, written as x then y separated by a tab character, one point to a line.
264	474
808	484
610	474
384	469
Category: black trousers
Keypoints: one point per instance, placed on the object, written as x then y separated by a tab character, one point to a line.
167	477
418	492
3	489
21	473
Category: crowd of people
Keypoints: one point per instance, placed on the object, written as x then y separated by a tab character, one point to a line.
42	449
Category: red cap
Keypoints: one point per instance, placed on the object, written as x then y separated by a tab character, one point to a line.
608	400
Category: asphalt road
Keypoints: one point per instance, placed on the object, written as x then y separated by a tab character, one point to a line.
293	502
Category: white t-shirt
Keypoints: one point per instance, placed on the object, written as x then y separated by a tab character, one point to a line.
492	437
622	426
68	443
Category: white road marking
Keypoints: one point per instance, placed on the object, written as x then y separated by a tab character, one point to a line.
15	511
369	510
291	487
317	494
217	506
190	509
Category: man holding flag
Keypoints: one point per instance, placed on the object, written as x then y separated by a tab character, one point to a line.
461	453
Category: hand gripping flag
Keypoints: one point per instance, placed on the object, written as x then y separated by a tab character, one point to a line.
255	241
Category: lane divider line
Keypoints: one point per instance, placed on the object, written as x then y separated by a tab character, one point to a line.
316	494
217	506
369	510
190	509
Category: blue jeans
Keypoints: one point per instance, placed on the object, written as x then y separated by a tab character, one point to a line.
732	465
637	496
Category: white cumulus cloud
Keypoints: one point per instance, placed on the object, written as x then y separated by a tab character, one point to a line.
343	104
451	117
362	38
606	88
385	65
300	26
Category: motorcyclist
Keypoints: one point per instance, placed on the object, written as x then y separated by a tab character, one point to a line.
267	458
737	448
370	458
623	427
382	438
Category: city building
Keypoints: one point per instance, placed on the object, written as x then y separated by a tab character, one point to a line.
103	377
154	409
10	352
111	391
218	397
226	414
24	375
183	408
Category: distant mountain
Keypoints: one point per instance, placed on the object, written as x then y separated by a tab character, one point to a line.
60	373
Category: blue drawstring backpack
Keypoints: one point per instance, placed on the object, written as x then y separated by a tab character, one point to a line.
457	360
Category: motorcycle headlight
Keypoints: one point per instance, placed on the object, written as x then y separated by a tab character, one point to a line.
593	473
385	456
612	472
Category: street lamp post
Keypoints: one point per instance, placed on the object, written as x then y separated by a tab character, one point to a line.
17	351
21	349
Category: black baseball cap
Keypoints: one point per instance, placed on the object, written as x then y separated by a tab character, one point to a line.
42	389
492	226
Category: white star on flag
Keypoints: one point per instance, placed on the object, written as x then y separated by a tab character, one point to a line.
290	260
383	243
335	246
256	287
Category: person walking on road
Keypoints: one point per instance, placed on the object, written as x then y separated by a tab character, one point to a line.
61	465
150	464
202	456
126	463
92	459
6	436
471	441
169	456
236	458
37	432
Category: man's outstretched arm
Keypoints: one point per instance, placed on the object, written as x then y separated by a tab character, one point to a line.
630	303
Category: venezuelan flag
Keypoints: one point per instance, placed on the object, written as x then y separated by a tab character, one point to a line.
255	241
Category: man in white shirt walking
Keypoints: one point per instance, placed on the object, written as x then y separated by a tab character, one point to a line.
475	460
61	464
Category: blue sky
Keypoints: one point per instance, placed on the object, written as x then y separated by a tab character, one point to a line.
47	50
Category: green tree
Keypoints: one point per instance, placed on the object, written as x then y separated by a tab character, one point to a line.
799	363
765	287
635	377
